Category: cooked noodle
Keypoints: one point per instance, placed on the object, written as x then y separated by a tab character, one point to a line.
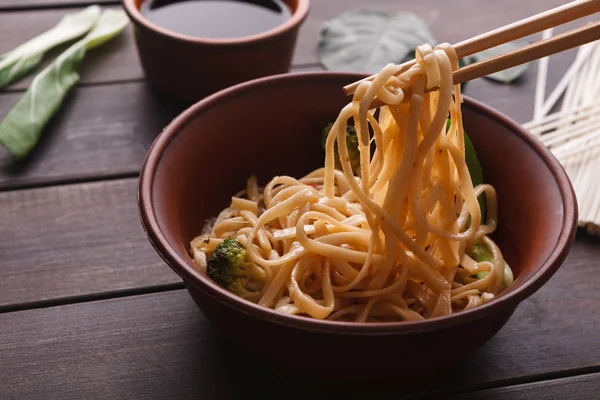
391	245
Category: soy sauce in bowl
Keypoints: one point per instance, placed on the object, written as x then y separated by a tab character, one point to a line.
218	19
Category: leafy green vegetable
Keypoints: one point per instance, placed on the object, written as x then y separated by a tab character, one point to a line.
366	40
481	253
21	128
473	162
476	173
508	275
475	169
507	75
25	58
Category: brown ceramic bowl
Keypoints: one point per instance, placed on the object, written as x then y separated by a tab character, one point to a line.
272	126
189	68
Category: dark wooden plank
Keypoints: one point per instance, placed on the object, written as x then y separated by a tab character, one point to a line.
100	131
573	388
160	346
106	130
557	329
12	5
117	61
74	240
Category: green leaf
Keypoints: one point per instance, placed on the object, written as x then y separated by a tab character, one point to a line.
25	58
482	253
22	126
475	170
509	277
367	40
473	162
507	75
476	173
110	24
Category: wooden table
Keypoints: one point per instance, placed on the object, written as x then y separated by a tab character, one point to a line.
88	310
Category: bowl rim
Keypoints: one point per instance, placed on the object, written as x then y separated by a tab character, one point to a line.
185	268
298	16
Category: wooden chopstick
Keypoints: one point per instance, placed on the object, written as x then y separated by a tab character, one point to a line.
555	44
525	27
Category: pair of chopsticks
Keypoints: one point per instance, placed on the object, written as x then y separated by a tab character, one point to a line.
548	19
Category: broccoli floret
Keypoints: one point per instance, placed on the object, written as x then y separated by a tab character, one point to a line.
351	143
229	268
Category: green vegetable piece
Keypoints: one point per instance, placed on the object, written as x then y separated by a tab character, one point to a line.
476	173
508	278
366	40
481	253
475	170
482	274
21	128
351	143
473	162
508	275
228	267
24	59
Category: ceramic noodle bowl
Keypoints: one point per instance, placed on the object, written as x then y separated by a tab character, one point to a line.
272	126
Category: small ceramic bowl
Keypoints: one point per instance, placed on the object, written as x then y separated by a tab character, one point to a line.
189	68
272	126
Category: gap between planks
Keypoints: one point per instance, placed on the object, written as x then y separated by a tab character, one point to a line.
442	393
521	381
308	67
47	5
66	181
526	387
91	297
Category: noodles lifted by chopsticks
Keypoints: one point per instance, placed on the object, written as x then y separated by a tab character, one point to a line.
401	241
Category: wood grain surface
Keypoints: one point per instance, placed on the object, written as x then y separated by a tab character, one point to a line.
161	346
101	131
88	310
579	387
16	5
73	240
94	136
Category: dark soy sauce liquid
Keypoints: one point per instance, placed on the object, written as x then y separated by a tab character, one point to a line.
221	19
